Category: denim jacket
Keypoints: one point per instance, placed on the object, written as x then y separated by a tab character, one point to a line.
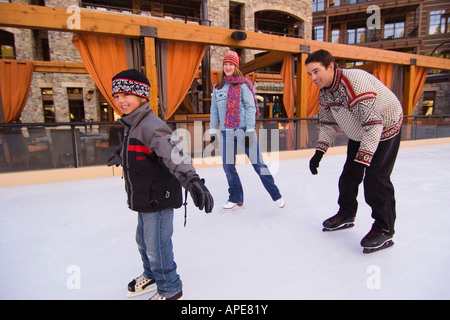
247	114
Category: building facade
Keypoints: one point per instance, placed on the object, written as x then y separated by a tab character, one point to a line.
65	97
413	26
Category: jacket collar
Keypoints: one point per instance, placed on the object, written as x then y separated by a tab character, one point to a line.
136	116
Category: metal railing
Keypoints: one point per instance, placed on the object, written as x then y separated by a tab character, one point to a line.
35	146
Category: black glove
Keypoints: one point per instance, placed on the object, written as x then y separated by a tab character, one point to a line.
115	160
314	162
200	194
355	174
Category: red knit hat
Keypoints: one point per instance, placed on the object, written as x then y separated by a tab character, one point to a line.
232	57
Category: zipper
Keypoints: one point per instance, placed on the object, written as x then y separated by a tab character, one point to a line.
129	186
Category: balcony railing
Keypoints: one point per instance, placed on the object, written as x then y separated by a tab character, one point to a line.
71	145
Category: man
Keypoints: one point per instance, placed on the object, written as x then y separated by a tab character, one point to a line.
371	116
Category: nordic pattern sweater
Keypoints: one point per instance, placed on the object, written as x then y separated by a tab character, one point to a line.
363	107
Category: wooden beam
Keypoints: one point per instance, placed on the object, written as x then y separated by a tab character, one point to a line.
261	62
408	90
59	67
91	21
301	102
151	72
56	66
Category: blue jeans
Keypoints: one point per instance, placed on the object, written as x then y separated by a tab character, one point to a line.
154	239
230	141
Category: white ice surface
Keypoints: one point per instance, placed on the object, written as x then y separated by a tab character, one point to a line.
60	235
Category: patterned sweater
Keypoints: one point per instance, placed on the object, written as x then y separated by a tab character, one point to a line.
363	107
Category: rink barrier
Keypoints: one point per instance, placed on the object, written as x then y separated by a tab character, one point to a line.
87	146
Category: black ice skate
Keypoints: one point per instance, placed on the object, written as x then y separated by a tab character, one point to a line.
140	285
376	240
338	222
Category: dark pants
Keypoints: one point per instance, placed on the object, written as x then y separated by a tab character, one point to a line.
378	188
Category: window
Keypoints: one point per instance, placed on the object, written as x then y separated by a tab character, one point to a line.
6	45
335	35
429	98
394	30
357	32
48	105
318	5
318	33
76	104
439	22
356	35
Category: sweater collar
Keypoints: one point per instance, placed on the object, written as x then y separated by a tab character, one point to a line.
336	80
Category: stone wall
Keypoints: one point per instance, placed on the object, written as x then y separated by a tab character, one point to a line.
218	14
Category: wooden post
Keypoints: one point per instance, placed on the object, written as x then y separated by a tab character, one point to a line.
301	102
151	72
408	90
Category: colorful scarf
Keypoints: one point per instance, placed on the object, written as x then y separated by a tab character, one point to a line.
234	100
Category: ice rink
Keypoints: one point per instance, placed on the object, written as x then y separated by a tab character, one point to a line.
75	240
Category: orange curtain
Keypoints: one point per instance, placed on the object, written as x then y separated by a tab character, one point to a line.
183	60
103	57
15	83
289	86
383	71
419	82
289	96
313	99
215	75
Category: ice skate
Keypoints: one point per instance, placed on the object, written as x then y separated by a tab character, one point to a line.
338	222
376	240
280	203
140	285
176	296
231	206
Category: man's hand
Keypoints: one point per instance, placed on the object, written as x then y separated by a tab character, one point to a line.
314	162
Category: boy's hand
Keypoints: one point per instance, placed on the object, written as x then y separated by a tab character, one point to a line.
115	160
200	195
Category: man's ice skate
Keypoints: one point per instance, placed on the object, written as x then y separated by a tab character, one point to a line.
338	222
140	285
376	240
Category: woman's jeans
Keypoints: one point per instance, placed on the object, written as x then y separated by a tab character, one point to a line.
230	140
154	239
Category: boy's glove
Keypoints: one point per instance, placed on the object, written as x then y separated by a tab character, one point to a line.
115	160
314	162
200	194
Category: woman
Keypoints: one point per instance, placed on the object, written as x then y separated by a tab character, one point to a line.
233	104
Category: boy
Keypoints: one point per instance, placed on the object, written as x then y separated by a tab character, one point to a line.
371	116
153	183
